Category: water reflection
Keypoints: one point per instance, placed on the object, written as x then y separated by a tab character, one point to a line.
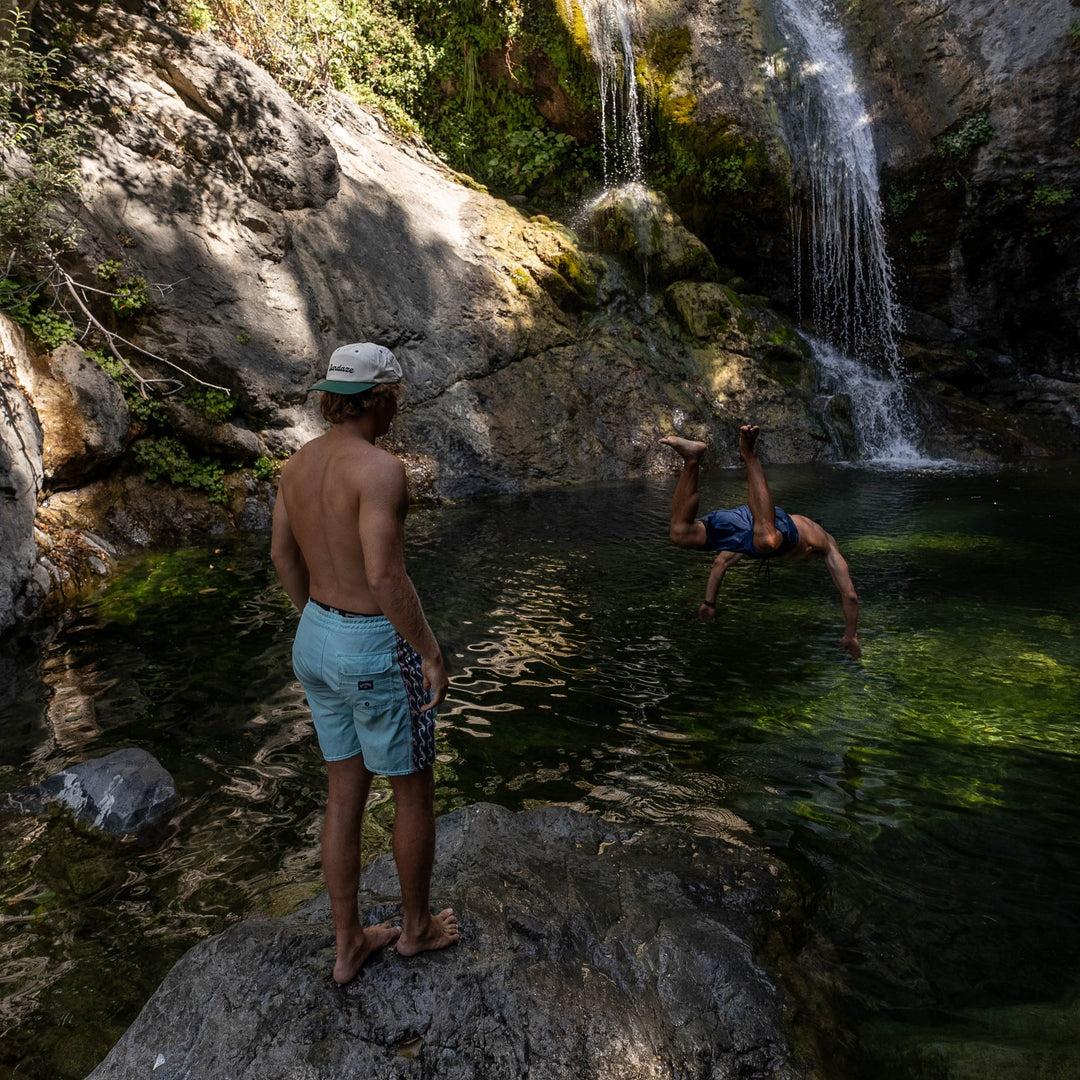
925	795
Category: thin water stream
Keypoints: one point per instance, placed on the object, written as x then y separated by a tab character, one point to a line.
924	798
610	25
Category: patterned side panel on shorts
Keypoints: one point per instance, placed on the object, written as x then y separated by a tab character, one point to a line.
423	720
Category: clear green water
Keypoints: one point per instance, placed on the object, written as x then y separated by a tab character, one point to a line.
925	797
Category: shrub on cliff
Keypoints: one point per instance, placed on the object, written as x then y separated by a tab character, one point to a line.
463	73
41	131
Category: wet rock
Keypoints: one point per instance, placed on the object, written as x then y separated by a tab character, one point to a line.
126	792
583	954
841	425
635	221
703	308
975	104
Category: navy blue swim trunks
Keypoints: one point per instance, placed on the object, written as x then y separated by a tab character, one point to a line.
733	530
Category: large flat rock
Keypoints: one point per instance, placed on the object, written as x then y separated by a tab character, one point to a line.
583	954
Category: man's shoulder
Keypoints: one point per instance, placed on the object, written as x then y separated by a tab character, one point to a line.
814	539
381	462
372	473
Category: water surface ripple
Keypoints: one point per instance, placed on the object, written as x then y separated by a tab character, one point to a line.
924	798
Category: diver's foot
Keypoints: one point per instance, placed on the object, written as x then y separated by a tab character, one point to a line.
748	435
687	449
440	932
354	951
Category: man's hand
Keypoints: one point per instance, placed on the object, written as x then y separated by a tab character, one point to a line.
707	612
851	643
435	679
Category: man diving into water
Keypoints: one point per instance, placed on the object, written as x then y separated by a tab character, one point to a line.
758	530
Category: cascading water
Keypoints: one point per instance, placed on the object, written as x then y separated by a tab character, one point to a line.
610	25
841	256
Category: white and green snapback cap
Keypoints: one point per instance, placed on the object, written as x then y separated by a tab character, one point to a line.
355	368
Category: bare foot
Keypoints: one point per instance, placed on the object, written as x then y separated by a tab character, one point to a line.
353	954
748	435
687	449
440	932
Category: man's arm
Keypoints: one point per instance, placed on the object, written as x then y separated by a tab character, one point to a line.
838	570
725	559
287	557
382	536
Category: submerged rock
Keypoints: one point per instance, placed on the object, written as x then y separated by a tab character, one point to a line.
123	793
583	954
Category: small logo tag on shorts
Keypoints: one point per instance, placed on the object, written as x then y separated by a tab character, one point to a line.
366	684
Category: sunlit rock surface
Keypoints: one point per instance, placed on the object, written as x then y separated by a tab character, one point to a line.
378	241
583	954
20	480
63	421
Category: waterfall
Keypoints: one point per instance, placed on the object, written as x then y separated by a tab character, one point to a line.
839	233
610	25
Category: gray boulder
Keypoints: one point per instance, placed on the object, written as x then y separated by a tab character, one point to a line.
126	792
583	954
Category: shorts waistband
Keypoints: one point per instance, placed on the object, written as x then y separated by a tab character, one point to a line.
337	619
342	612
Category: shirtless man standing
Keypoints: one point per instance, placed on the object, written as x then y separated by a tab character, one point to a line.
759	530
364	652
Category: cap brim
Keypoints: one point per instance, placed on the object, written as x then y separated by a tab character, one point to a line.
342	387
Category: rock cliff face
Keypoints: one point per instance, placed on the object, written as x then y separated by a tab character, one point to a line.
268	236
974	105
20	481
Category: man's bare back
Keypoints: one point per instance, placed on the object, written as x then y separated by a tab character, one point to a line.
324	486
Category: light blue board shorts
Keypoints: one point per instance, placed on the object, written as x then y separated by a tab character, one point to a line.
365	691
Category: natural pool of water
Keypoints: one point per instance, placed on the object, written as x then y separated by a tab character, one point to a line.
925	796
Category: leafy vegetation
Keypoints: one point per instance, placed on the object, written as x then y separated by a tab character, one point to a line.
166	458
899	202
975	131
143	406
129	294
216	405
266	468
1050	196
43	125
459	72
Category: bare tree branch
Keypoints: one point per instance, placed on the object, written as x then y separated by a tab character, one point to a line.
77	290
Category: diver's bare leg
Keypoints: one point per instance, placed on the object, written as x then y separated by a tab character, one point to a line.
685	529
767	538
